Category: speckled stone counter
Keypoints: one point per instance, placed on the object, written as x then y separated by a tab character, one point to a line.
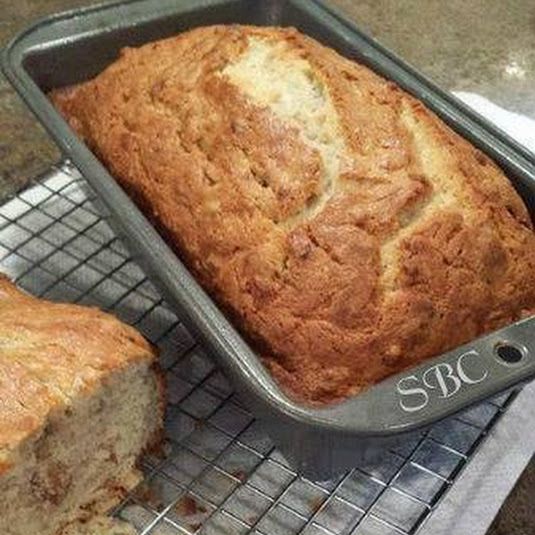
482	46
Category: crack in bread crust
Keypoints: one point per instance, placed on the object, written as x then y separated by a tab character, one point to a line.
343	227
443	197
273	76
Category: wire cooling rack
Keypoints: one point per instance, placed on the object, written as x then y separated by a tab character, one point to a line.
219	473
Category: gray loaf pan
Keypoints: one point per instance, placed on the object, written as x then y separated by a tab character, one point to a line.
320	442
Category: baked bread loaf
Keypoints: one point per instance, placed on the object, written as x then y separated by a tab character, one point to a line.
79	402
347	231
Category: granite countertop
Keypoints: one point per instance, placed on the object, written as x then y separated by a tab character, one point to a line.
482	46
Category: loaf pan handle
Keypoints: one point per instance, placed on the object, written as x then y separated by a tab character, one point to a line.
475	371
447	384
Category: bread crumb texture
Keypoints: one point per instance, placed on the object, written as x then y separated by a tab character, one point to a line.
99	525
346	230
79	402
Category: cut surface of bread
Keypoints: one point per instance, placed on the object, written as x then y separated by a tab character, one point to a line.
346	230
79	402
99	525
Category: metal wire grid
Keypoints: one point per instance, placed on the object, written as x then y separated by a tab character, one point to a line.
220	473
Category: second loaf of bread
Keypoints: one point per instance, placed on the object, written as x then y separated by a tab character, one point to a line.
346	230
80	401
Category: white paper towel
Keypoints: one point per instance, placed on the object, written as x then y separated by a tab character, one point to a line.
519	127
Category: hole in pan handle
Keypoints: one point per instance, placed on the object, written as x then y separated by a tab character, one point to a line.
510	352
458	378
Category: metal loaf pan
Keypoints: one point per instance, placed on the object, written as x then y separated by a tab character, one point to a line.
76	45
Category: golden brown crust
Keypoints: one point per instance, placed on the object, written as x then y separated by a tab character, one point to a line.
419	243
49	354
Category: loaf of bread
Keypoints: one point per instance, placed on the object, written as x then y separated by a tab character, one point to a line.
346	230
79	402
